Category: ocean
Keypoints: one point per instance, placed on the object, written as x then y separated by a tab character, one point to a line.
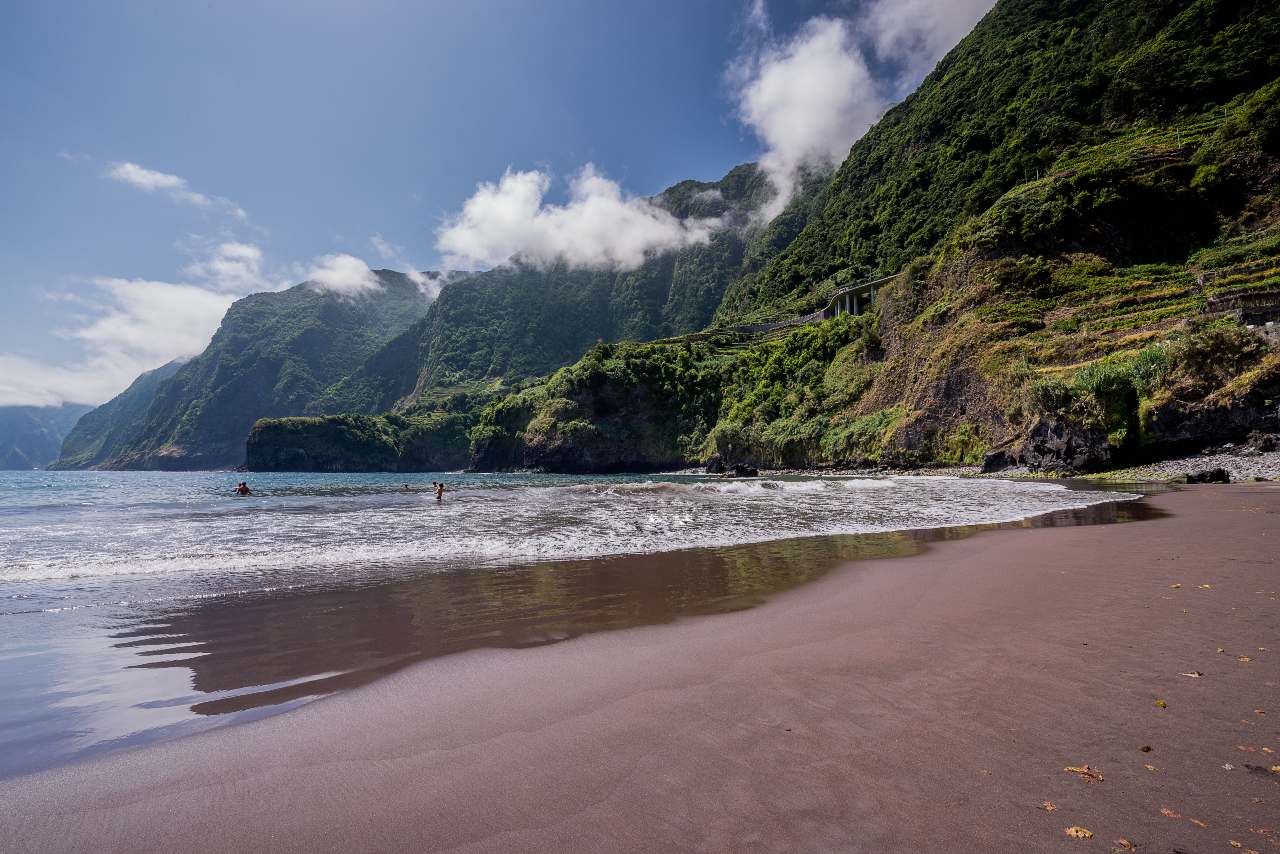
138	606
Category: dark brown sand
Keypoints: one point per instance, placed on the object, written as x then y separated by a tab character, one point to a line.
925	703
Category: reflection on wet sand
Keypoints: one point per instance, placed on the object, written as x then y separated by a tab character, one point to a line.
125	676
274	648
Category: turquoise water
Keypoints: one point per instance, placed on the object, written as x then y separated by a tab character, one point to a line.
140	606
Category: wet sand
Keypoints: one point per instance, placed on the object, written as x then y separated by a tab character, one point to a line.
920	703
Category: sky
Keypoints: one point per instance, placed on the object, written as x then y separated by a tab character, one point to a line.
160	160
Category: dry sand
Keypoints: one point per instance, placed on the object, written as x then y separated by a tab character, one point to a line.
925	703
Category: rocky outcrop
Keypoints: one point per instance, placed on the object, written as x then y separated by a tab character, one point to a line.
1056	445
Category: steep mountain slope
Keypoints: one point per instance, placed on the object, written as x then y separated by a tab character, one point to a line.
274	354
31	436
1086	316
115	424
1033	80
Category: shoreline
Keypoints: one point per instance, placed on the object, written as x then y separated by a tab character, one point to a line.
915	702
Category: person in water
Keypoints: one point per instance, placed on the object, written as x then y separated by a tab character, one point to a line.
243	489
439	490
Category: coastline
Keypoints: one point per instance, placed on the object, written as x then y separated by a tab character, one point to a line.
917	702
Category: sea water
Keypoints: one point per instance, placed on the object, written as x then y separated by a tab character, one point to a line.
137	606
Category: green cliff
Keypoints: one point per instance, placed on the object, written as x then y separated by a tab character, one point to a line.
1083	200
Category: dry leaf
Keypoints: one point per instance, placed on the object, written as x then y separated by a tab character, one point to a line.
1161	704
1194	674
1275	769
1206	586
1085	772
1175	586
1150	767
1170	813
1267	750
1234	844
1079	833
1259	711
1247	749
1228	767
1244	658
1146	748
1221	650
1048	806
1197	822
1123	844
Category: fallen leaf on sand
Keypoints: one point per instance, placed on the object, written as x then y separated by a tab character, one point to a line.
1146	748
1267	750
1165	811
1228	767
1194	674
1234	844
1085	772
1123	844
1221	650
1275	769
1246	748
1161	704
1048	806
1175	586
1259	711
1244	659
1206	586
1079	832
1151	767
1197	822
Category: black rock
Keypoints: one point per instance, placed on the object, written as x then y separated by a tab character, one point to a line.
998	460
740	470
715	465
1209	476
1058	445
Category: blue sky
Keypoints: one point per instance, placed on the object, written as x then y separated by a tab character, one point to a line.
141	139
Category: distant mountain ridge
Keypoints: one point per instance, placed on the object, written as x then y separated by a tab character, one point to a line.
31	436
274	354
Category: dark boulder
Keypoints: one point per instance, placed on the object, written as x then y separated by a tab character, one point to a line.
999	459
1058	445
715	465
740	470
1209	476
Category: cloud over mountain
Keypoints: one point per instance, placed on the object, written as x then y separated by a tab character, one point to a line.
599	227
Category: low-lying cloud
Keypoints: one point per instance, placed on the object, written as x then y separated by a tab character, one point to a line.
393	254
345	275
809	97
599	227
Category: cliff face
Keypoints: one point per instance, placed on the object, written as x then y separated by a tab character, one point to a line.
354	443
118	423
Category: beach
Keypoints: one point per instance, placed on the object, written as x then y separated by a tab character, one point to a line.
917	703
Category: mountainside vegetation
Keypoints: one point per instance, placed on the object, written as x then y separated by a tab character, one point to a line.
1082	202
31	436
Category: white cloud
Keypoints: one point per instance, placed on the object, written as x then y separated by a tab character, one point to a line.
176	187
600	227
810	97
139	325
918	33
808	100
233	267
345	275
